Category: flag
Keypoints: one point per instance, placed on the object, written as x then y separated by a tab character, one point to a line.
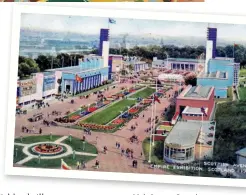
64	165
78	78
156	99
235	45
111	21
203	111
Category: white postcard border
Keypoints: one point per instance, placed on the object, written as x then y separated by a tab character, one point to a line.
10	170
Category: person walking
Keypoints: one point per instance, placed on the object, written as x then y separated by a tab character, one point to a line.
97	164
40	131
78	165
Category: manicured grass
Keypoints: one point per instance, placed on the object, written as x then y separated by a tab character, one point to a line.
20	155
56	163
143	93
146	148
34	139
242	93
77	145
105	116
164	127
242	73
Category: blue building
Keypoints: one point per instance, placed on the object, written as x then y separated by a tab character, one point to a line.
220	75
93	70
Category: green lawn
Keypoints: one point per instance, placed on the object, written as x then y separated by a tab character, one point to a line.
56	163
105	116
242	73
164	127
146	148
34	139
143	93
77	145
20	155
242	93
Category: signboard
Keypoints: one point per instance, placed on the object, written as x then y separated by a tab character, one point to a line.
49	83
27	87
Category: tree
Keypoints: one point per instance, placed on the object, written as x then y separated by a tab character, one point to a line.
26	67
191	79
43	62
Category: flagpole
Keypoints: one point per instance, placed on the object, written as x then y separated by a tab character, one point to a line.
200	147
155	112
151	130
233	49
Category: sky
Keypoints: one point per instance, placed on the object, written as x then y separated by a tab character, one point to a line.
92	25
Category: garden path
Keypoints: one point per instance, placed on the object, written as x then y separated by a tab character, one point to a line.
113	161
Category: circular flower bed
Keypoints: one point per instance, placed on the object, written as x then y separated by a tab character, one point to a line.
48	149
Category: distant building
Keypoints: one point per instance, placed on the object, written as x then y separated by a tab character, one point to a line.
93	70
179	64
115	63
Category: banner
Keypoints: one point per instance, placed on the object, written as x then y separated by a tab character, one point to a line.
27	87
49	83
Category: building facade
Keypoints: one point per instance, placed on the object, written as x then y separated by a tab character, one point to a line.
193	65
220	75
93	70
190	101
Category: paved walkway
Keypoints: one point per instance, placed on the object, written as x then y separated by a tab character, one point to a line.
112	161
24	160
61	139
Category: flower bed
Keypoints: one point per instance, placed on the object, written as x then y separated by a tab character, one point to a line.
121	95
92	109
133	110
147	101
118	121
75	117
95	126
106	102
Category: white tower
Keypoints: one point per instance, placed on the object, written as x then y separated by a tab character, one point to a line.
209	54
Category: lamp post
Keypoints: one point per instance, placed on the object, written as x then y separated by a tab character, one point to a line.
70	137
167	57
128	107
21	139
83	145
16	152
73	154
39	159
